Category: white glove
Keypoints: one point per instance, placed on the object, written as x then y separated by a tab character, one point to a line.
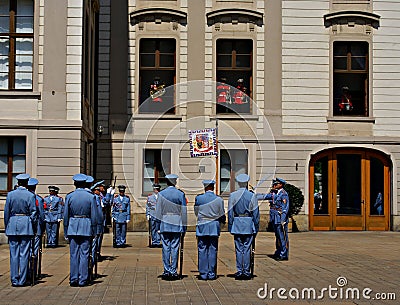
127	221
109	190
112	192
148	217
59	220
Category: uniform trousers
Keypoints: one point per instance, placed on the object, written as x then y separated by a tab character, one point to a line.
120	233
170	251
79	248
51	232
20	248
243	253
282	241
155	227
207	255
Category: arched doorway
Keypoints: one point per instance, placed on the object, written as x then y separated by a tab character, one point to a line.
349	190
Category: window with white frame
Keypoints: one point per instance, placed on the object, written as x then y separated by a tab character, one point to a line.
157	72
16	44
156	165
234	68
12	161
350	78
232	163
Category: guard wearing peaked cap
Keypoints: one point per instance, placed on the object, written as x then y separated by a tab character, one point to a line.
243	223
210	213
154	223
279	216
121	214
171	210
20	220
53	214
80	220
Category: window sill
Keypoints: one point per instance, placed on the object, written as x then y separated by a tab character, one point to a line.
351	119
155	116
20	95
230	116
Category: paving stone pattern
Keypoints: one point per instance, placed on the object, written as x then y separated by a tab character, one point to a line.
131	275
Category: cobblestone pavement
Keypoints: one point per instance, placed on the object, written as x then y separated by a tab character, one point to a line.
318	260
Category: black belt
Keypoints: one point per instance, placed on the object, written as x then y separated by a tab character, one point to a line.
80	216
241	215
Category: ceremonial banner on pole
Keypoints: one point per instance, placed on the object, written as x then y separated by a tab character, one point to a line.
203	142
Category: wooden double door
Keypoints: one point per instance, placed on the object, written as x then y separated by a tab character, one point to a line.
349	190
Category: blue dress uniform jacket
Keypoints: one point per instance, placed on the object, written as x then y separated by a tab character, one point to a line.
20	213
243	223
154	222
20	220
80	214
209	209
121	213
280	207
171	210
54	208
121	210
243	214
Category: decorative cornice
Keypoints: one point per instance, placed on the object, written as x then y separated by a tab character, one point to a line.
352	17
158	15
235	16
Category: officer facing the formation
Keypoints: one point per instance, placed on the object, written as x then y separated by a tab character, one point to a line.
210	212
243	223
53	214
121	214
79	227
279	209
154	223
20	220
171	210
39	202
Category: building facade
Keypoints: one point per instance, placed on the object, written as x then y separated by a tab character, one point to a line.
47	91
119	93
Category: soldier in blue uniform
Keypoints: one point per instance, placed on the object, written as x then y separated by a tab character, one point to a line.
154	222
171	210
79	227
105	201
210	212
39	202
53	214
279	208
243	223
20	220
99	227
121	214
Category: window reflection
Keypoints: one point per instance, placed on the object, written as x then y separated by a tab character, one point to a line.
321	186
377	187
